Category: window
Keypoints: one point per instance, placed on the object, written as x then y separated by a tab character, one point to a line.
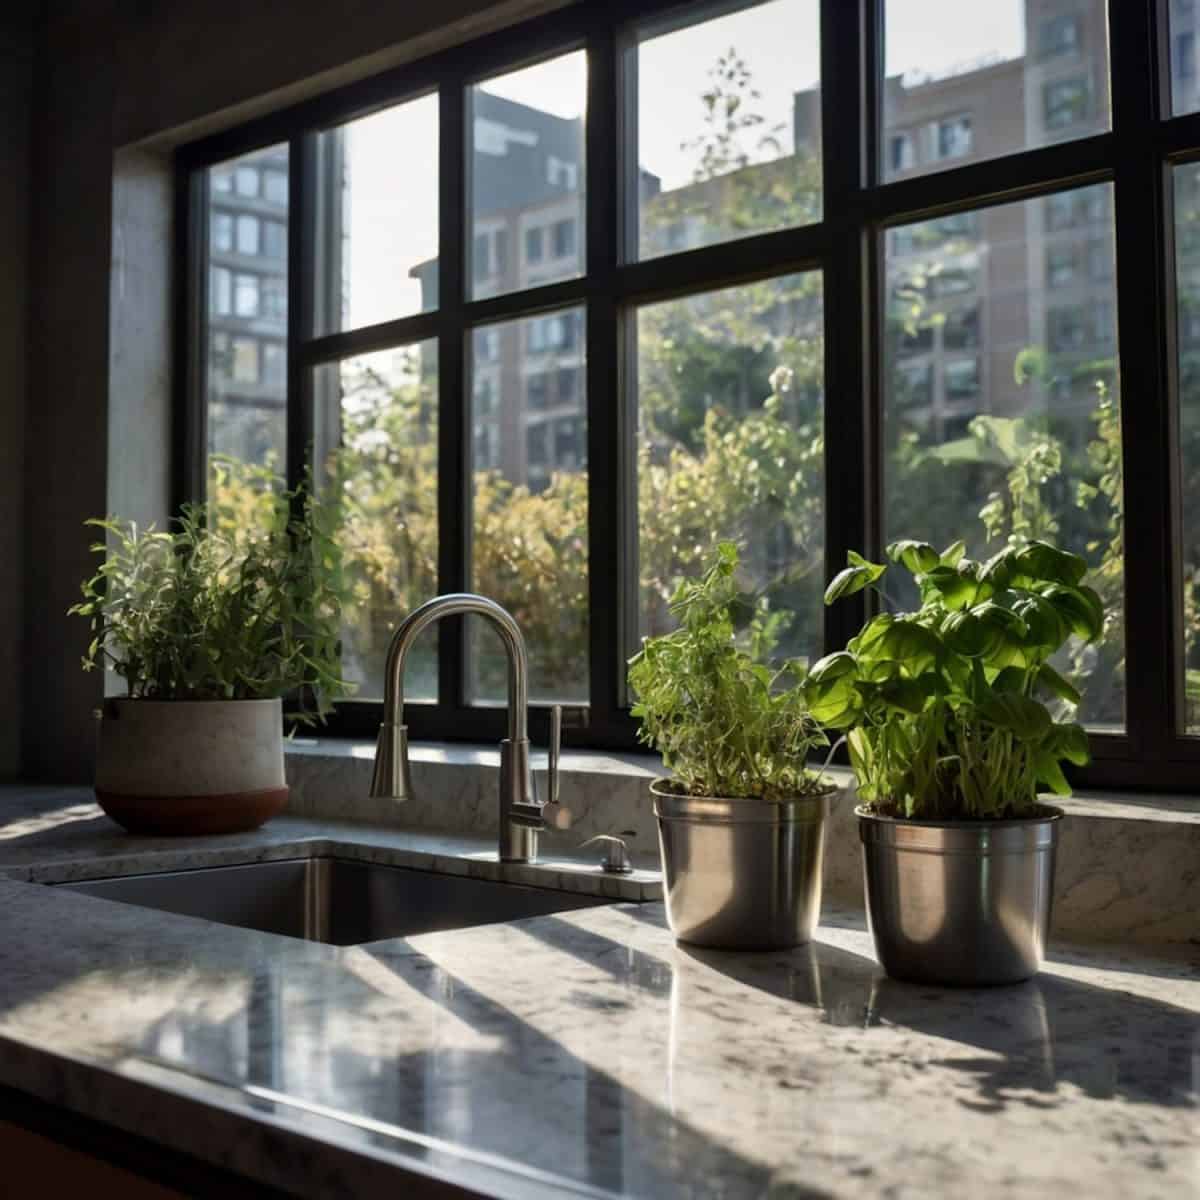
1185	97
1000	447
518	116
965	73
274	239
903	152
533	245
244	389
952	138
245	295
247	234
595	425
521	499
729	129
1059	35
1066	103
222	231
564	239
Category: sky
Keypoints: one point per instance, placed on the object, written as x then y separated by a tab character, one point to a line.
393	154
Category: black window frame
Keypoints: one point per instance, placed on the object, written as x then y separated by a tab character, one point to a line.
1136	155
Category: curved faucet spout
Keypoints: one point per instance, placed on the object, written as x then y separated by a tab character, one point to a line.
520	809
451	605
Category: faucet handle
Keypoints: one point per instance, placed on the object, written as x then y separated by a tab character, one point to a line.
554	752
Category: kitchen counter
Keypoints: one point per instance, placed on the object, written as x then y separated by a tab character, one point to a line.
582	1053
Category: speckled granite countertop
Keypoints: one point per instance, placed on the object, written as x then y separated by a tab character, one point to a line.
578	1054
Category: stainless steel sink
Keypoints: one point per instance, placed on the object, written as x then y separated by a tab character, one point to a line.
334	900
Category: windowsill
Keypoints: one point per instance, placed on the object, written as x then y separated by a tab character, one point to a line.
1126	866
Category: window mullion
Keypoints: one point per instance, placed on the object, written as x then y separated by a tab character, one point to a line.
301	421
192	305
848	55
1151	572
454	498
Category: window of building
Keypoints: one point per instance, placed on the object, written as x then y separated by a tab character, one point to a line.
247	234
990	330
533	245
1059	35
245	360
1065	102
903	152
952	138
246	180
564	238
222	231
562	174
275	185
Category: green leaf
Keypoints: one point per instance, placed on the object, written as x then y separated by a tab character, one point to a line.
1045	563
1026	719
953	554
833	666
1080	607
852	579
918	557
1050	679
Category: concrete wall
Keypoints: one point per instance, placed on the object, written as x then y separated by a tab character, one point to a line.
119	83
16	109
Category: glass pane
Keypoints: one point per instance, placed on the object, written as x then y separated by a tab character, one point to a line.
1182	63
728	126
730	445
245	338
1002	415
381	409
530	538
377	217
527	177
971	81
1187	269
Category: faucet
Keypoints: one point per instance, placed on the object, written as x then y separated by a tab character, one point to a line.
522	814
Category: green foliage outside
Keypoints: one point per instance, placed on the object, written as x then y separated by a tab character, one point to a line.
941	705
250	610
726	721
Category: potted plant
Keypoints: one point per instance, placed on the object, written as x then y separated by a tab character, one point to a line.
210	626
742	818
950	741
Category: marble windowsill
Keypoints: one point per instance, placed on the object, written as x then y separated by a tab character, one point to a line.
1128	864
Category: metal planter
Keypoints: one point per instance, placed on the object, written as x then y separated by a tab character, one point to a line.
959	902
742	874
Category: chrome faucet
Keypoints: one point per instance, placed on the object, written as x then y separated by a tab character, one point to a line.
522	814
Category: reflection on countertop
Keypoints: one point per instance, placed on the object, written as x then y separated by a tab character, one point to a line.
587	1051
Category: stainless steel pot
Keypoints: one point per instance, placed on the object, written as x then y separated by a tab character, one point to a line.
959	902
741	874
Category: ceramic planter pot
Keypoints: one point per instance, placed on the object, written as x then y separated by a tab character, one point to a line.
741	874
959	902
191	767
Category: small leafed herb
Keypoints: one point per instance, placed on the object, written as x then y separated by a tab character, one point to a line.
941	706
723	720
208	612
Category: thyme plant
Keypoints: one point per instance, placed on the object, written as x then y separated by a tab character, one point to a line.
942	706
206	612
724	721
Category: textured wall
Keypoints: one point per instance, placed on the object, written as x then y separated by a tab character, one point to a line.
16	82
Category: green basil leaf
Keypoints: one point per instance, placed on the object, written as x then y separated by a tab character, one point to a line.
1050	679
1026	719
1045	563
918	557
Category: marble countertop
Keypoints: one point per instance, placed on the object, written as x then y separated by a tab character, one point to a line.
583	1053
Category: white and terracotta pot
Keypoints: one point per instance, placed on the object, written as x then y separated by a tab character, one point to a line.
191	767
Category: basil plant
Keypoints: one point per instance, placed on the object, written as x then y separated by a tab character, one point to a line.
945	709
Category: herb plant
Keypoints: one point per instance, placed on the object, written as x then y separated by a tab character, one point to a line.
207	612
941	706
722	719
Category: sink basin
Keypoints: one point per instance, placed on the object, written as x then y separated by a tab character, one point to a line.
333	900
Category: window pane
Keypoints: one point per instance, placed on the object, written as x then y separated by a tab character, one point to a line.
729	126
377	217
245	383
973	81
1185	92
1187	268
530	540
730	444
1002	417
527	181
382	410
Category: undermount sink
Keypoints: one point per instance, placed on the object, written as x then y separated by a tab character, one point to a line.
334	900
